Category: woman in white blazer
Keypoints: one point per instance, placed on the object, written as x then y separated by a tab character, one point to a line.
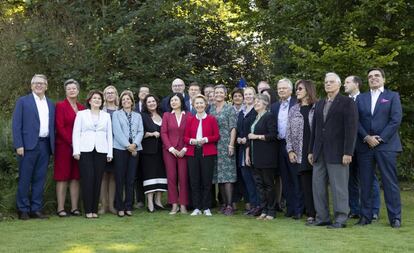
92	146
128	132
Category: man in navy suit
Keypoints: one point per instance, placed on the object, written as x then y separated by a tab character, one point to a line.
351	85
34	139
193	90
290	178
177	86
378	143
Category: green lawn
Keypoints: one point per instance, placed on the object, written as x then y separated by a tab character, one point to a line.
160	232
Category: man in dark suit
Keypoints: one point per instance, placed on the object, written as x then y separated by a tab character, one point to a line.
34	140
193	90
332	143
378	143
177	86
289	175
352	85
143	91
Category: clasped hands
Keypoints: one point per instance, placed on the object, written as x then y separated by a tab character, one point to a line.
177	153
372	140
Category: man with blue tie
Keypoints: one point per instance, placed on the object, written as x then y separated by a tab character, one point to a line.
352	85
380	115
34	139
290	178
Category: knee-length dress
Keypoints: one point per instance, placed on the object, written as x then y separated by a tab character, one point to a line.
225	170
65	166
151	160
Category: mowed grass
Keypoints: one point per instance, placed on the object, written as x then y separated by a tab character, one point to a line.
161	232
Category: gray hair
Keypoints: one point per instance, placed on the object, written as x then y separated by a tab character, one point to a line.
288	82
38	76
338	79
265	99
221	86
71	81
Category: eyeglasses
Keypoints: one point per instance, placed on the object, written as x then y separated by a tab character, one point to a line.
39	83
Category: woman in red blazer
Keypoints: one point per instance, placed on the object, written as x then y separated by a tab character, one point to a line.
201	136
172	135
65	166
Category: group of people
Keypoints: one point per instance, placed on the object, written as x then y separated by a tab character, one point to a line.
265	146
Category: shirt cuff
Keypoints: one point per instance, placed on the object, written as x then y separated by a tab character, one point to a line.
171	149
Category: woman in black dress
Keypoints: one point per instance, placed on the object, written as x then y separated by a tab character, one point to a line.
297	139
151	161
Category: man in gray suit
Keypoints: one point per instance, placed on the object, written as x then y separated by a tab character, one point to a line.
334	131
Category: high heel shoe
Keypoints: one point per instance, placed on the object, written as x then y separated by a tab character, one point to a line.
175	211
158	207
150	211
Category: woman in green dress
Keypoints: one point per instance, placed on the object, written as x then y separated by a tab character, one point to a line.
225	173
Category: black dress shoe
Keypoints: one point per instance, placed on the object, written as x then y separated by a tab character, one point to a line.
362	222
297	216
288	215
336	225
353	216
38	215
23	216
318	223
396	223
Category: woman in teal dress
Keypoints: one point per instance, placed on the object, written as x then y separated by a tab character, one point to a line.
225	173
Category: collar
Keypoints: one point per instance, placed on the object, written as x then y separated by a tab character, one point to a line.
202	117
37	98
356	95
381	89
287	100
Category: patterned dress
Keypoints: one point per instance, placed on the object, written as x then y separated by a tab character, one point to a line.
225	170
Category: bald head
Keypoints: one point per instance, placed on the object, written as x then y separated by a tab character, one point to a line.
178	86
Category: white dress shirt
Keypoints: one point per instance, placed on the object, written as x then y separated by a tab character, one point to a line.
374	97
354	97
43	110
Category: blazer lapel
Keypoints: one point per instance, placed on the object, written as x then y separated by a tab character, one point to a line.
333	107
34	106
380	97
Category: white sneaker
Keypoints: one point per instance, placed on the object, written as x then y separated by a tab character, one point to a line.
196	212
207	212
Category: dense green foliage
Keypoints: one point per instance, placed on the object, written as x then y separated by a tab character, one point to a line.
131	42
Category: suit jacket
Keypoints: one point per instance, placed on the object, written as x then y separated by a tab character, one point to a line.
120	129
274	108
173	135
264	152
243	129
337	135
26	123
385	121
86	136
210	130
165	105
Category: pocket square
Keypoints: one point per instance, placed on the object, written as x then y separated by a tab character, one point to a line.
384	101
